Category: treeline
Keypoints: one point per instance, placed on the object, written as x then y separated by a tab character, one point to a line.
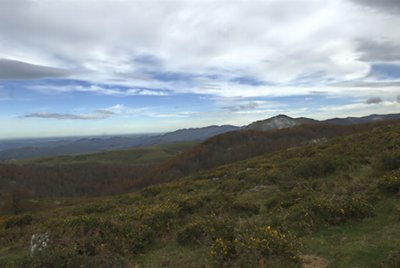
239	145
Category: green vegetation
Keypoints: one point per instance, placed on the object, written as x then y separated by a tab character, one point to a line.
145	155
97	174
337	200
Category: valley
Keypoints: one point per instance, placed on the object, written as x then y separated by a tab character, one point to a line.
327	194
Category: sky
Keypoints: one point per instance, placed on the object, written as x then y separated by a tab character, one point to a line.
104	67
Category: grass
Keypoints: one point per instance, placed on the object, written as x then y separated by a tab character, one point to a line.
358	244
249	214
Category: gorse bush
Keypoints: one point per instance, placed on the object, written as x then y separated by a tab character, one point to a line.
192	234
252	245
389	161
18	221
316	166
245	208
340	209
160	216
68	259
390	182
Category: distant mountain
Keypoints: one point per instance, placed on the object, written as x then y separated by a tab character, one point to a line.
360	120
284	121
31	148
279	122
92	145
191	134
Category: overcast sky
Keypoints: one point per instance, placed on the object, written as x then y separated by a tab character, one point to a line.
82	67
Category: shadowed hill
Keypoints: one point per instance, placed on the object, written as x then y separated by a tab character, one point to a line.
239	145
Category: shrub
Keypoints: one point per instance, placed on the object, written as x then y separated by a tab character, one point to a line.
392	260
92	208
317	166
341	209
18	221
137	238
192	234
189	204
245	208
151	191
389	161
159	217
253	245
390	182
69	259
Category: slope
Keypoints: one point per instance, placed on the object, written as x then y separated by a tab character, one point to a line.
334	199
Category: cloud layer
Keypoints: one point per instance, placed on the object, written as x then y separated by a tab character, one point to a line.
179	63
12	69
245	48
100	114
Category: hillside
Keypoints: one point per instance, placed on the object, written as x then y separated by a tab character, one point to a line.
334	202
239	145
85	175
136	156
39	148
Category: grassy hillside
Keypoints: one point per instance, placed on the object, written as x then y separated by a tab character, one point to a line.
239	145
145	155
84	175
333	203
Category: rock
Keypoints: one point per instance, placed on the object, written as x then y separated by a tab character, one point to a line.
39	242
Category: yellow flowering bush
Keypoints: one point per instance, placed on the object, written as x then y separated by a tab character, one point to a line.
252	244
390	182
343	208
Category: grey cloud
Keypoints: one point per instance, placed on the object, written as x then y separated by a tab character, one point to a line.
373	100
398	98
244	107
390	6
12	69
378	50
59	116
175	36
105	112
367	84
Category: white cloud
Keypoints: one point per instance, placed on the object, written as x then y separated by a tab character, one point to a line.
274	41
111	91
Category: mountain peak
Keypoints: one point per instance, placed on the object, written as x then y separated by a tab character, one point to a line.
278	122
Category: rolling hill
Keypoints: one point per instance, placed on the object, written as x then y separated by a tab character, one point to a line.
333	202
39	148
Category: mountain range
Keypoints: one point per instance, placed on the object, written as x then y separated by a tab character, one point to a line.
69	146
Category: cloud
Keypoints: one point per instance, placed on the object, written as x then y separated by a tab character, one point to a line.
12	69
378	50
100	114
398	98
173	45
100	90
390	6
248	106
105	112
373	100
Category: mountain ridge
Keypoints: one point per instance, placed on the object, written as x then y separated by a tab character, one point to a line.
99	144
